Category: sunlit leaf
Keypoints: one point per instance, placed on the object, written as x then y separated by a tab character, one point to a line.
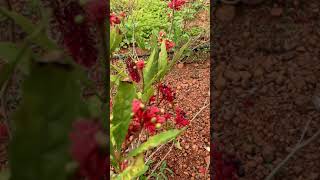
137	169
122	110
155	141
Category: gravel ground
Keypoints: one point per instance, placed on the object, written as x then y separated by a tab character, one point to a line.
191	82
267	73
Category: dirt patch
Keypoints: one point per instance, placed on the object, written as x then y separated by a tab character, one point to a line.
191	82
201	20
267	72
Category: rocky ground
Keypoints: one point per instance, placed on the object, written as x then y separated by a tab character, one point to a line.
191	161
266	81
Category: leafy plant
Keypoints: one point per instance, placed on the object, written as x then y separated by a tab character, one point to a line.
161	174
149	17
138	91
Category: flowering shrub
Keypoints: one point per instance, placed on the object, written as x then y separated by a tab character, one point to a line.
142	104
176	4
57	131
151	16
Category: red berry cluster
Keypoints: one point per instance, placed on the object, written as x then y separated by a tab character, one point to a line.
181	118
167	93
134	68
162	37
77	35
151	118
114	19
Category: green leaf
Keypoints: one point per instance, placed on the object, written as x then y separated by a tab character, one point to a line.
9	52
177	145
177	55
163	176
8	69
115	39
114	80
42	40
140	42
122	110
94	106
147	95
51	101
155	141
5	175
137	169
163	60
150	69
170	171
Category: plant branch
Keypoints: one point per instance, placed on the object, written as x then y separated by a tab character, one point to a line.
172	21
10	71
304	131
298	147
205	106
159	163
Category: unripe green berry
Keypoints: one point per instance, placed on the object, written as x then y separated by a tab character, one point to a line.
153	120
158	125
79	19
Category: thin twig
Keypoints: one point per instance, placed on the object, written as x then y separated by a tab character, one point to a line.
159	163
134	51
294	151
206	105
151	155
194	117
304	131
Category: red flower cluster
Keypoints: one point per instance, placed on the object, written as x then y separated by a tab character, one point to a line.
152	99
181	118
167	93
176	4
225	167
133	70
140	64
114	19
77	37
122	14
169	44
96	11
150	118
86	150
